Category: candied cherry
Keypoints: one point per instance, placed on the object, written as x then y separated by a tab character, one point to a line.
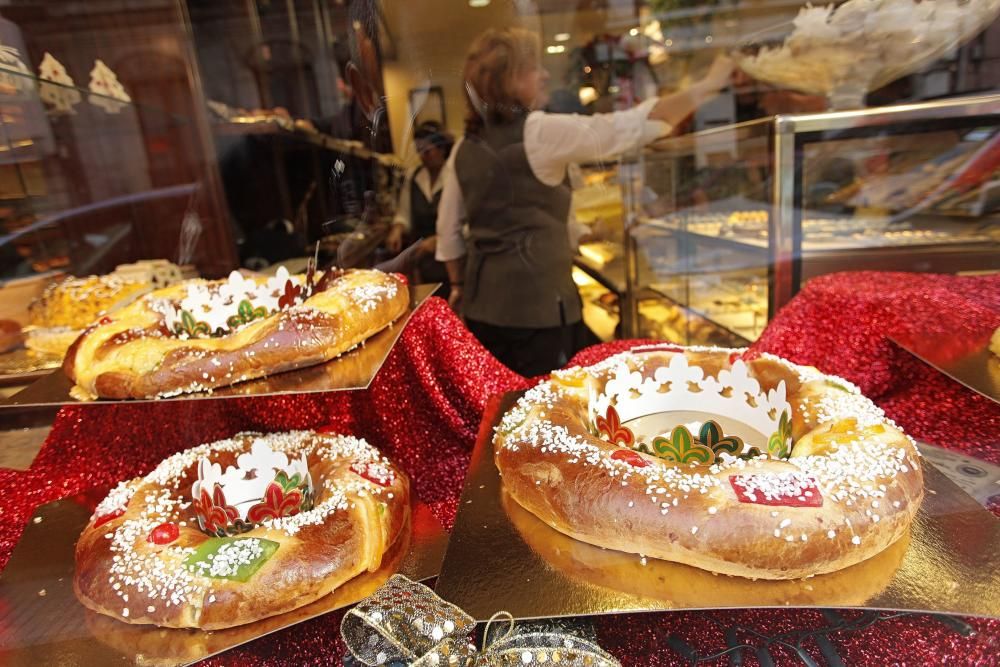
165	533
630	457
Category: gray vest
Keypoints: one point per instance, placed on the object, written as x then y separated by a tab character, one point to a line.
519	266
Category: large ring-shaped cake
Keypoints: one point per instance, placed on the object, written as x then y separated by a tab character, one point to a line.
238	530
753	467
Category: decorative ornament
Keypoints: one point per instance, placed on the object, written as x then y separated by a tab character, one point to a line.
630	402
105	90
778	444
15	77
215	516
57	88
681	447
245	314
289	295
264	485
188	325
406	622
610	427
283	497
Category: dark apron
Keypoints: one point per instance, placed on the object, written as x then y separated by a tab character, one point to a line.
423	224
519	264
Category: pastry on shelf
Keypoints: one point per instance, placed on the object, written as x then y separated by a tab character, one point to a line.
67	306
157	272
199	335
11	336
600	252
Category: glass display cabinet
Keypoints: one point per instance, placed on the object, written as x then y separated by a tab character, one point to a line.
724	226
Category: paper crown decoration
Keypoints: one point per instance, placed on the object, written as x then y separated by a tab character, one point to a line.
732	413
263	485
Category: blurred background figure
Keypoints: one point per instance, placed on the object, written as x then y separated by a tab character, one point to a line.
417	209
509	181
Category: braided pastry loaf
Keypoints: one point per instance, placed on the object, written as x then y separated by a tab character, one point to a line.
199	335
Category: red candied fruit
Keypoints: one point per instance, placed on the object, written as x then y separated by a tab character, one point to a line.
629	457
401	278
110	516
329	428
165	533
365	470
105	320
808	496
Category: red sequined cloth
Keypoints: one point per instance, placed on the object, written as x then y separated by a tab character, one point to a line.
424	409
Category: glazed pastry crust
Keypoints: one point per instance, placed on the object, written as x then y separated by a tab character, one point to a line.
870	480
134	355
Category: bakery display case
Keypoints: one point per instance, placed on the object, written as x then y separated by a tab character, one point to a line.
188	137
724	226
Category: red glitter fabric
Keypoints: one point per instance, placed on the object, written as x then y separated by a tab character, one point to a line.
424	410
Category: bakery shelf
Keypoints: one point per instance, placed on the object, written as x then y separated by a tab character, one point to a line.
611	273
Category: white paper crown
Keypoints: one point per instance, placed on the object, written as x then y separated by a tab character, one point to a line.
679	387
244	488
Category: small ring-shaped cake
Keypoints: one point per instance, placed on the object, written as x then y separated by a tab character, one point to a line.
242	529
754	467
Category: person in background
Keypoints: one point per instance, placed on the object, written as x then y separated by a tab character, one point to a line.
416	213
507	180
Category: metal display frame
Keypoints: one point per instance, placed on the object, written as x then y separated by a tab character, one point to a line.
782	141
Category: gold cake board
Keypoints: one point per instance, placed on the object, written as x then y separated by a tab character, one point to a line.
978	369
501	557
42	623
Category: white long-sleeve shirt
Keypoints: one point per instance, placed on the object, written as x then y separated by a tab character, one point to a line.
552	143
420	177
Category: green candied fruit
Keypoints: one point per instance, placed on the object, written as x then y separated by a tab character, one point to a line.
837	385
233	558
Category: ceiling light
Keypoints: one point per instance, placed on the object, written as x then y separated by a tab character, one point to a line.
479	3
561	37
555	48
669	42
708	39
633	32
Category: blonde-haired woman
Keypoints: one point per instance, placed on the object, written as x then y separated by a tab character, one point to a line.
507	180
